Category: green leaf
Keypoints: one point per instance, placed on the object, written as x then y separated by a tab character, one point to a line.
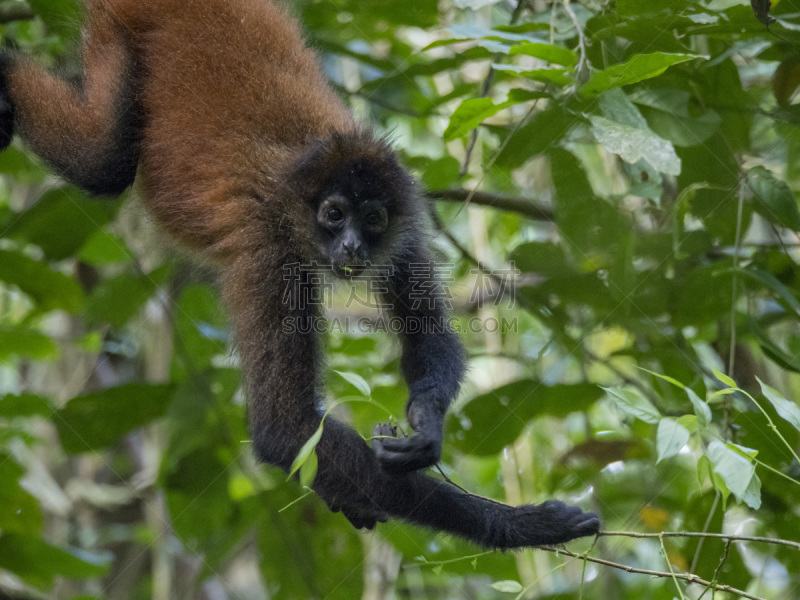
673	115
548	52
357	381
633	144
24	405
19	511
636	8
788	410
475	111
768	281
543	131
724	379
308	470
509	586
632	403
117	300
49	289
701	409
752	495
703	469
558	77
105	248
638	68
546	259
666	378
473	32
468	116
489	422
736	470
38	563
774	200
307	450
62	220
441	174
100	419
670	438
29	343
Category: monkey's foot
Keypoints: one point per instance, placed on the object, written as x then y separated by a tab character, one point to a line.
398	456
551	522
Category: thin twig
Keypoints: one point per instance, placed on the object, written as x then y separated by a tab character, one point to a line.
700	534
706	525
734	283
688	577
527	208
581	67
669	566
718	569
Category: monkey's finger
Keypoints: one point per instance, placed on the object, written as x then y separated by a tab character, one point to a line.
383	430
398	456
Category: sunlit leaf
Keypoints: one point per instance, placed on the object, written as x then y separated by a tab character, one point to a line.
638	68
632	403
787	409
634	144
736	470
509	586
356	380
670	438
306	451
701	408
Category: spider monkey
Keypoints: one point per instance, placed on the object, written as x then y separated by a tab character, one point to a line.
244	155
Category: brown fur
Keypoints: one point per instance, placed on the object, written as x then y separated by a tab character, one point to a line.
240	143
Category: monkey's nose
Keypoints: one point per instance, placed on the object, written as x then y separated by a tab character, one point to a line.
352	249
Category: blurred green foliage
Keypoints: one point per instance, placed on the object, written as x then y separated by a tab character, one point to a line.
660	141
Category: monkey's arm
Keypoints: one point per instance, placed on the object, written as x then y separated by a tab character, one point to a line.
432	362
281	363
87	129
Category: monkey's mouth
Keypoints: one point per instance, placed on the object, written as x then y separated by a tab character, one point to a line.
350	269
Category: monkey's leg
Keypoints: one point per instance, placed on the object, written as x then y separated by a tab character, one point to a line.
280	357
440	505
87	130
432	364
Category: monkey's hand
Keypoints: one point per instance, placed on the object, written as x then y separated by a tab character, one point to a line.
403	455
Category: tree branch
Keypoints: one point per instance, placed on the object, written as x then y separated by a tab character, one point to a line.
700	534
688	577
527	208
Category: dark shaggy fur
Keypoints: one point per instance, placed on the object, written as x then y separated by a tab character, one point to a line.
246	156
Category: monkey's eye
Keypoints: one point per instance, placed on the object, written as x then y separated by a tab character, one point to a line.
377	221
334	215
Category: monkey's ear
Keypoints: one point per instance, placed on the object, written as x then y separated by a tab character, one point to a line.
310	171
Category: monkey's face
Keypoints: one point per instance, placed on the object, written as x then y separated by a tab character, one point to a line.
353	231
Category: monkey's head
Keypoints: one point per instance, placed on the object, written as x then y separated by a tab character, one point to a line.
364	204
